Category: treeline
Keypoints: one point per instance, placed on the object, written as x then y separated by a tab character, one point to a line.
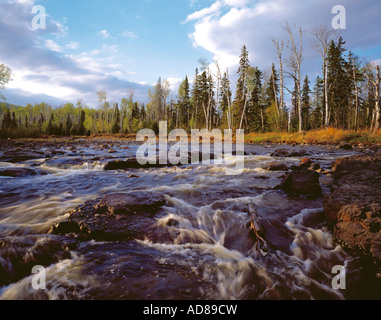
346	95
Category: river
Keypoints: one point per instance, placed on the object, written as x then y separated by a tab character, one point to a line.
211	258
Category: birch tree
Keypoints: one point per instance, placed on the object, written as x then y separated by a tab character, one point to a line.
376	85
226	92
324	35
294	63
279	45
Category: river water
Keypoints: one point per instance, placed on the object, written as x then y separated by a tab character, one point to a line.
211	257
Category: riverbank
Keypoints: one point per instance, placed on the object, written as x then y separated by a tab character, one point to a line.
323	137
353	208
328	136
72	197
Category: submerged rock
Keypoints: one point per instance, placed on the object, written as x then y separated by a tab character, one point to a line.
131	163
21	172
353	207
18	255
20	156
115	217
286	153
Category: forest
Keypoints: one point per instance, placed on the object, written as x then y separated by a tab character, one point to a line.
345	95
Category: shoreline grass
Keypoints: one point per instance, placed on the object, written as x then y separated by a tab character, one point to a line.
328	136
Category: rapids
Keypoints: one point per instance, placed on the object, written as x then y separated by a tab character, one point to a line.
211	256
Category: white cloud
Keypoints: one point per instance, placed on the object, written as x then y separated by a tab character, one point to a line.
49	75
226	25
129	34
72	45
104	33
51	45
214	8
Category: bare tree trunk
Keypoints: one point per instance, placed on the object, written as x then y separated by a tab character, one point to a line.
357	96
279	50
263	121
376	113
295	65
377	100
226	93
323	35
276	102
327	115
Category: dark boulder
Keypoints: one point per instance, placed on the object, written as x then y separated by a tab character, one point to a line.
305	163
302	182
353	208
20	156
346	146
131	163
277	166
287	153
130	203
18	255
64	162
21	172
115	217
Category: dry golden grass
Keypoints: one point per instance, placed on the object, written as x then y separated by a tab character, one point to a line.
329	136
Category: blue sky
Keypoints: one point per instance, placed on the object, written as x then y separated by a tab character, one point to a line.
122	44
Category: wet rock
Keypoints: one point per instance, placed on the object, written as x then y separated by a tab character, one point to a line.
302	182
64	163
315	167
20	156
345	146
21	172
353	207
18	255
277	166
286	153
115	217
131	163
305	163
129	203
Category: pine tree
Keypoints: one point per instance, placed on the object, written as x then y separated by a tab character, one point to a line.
339	84
241	91
184	104
116	124
317	115
256	106
306	104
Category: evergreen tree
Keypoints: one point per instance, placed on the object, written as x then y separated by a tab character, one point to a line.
184	104
116	124
256	105
306	104
81	123
339	84
317	116
241	91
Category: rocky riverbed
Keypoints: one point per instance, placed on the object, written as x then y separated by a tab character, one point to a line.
354	205
105	227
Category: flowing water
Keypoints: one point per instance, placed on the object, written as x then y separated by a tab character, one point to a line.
211	256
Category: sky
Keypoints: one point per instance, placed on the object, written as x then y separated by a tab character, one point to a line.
124	45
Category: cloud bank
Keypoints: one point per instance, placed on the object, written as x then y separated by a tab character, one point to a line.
42	71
